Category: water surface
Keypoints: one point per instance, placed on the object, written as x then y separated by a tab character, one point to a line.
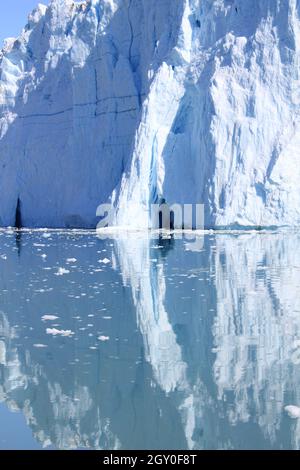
136	343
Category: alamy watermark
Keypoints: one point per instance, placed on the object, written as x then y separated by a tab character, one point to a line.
182	220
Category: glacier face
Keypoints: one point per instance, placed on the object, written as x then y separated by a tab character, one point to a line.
136	101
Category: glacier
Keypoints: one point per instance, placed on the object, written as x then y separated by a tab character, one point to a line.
133	102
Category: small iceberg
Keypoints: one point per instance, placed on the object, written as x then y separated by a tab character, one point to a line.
49	317
55	332
62	271
293	411
103	338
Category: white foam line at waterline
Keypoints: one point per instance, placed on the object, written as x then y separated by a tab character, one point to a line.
130	230
117	230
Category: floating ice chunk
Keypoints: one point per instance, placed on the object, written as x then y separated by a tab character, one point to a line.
61	272
55	332
40	346
103	338
104	261
2	353
49	317
71	260
46	235
293	411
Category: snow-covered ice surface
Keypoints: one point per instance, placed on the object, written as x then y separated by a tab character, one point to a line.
164	347
190	101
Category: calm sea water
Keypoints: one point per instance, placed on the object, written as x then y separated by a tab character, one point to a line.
149	343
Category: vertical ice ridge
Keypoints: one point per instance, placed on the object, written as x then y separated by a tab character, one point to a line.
143	184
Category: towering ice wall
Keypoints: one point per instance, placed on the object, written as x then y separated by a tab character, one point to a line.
139	101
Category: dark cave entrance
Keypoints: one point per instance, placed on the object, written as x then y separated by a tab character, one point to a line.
18	216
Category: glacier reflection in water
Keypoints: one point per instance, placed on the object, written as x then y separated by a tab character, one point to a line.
145	343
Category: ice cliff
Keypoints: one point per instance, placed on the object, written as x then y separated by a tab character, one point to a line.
139	101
